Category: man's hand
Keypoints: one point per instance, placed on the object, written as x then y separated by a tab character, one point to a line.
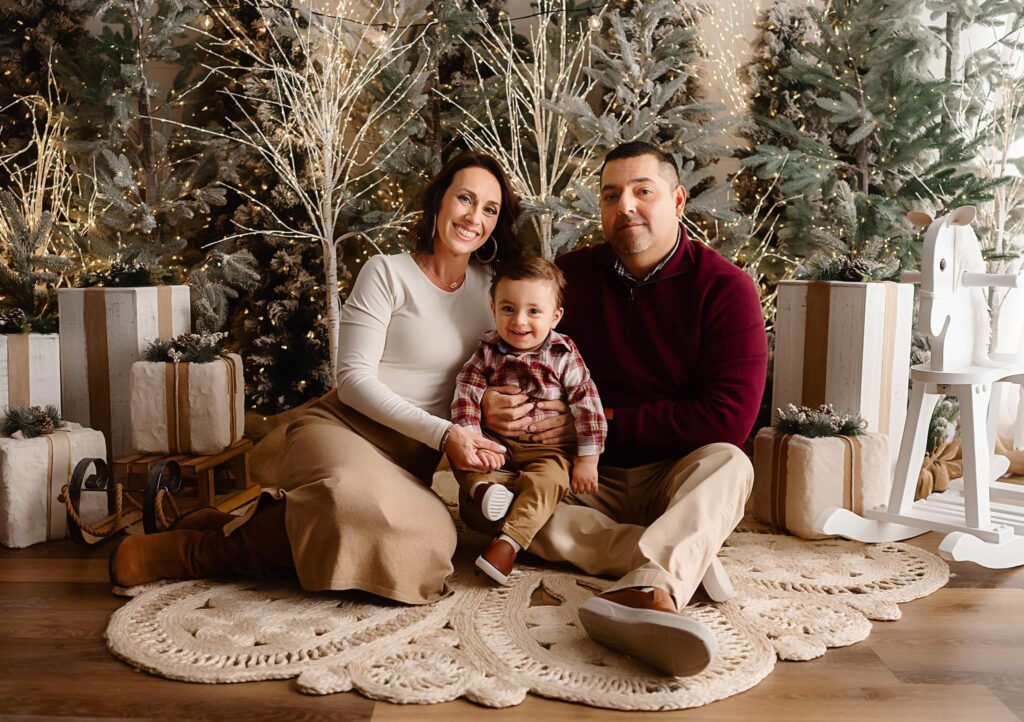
584	475
505	410
558	429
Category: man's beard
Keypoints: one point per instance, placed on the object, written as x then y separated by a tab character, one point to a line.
632	243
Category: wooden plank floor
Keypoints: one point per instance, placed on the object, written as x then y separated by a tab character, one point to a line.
954	656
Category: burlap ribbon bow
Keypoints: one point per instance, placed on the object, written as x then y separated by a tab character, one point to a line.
939	468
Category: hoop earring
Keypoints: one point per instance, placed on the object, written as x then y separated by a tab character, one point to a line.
493	255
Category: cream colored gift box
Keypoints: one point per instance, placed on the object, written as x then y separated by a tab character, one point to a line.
796	478
845	344
187	408
29	369
103	331
32	472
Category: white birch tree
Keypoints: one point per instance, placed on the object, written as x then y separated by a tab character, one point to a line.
322	112
519	120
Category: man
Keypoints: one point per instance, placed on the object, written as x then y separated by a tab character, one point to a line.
674	338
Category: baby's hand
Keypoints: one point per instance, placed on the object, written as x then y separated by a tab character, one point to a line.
584	475
491	459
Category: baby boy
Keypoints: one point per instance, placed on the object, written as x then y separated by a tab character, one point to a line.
527	352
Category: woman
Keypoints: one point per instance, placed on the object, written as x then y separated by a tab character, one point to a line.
355	509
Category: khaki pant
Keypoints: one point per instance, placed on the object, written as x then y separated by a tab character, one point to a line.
539	474
360	513
658	525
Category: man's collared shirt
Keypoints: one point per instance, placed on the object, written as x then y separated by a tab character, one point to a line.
554	371
632	280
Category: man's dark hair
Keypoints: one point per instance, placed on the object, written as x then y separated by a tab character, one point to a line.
637	148
530	269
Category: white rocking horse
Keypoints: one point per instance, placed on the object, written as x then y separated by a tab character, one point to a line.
954	314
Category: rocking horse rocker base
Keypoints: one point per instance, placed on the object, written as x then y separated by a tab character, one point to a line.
954	315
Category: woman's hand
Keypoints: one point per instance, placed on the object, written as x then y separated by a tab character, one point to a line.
470	451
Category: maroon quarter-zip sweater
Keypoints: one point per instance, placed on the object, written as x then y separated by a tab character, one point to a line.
681	358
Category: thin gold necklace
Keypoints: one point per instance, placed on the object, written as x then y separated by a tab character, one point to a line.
422	263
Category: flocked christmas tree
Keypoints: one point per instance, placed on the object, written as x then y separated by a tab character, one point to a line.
32	34
324	126
862	137
784	31
279	325
154	182
645	63
40	225
586	81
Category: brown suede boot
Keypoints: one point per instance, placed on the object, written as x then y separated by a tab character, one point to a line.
260	543
205	518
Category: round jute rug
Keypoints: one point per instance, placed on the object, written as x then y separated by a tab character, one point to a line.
493	646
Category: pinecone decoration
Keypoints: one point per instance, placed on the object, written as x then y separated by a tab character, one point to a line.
13	320
858	270
43	422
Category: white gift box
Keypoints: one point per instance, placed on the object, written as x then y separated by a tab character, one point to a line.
32	472
187	408
797	478
103	331
29	369
845	344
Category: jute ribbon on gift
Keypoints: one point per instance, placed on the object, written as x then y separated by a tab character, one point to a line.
58	473
179	410
17	369
816	340
96	354
852	477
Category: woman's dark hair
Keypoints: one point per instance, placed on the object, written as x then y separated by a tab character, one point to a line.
421	235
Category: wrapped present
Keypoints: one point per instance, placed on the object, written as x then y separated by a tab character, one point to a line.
187	408
848	345
32	472
796	477
29	369
103	332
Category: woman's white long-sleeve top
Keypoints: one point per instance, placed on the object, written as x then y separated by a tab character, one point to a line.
403	340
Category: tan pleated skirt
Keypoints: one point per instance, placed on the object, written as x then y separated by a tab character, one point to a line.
360	511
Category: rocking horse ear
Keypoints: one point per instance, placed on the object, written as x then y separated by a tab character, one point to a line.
962	216
920	219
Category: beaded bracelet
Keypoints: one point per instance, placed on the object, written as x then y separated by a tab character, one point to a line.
444	437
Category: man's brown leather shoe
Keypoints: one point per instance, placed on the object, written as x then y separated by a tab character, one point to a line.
205	518
497	561
493	499
645	625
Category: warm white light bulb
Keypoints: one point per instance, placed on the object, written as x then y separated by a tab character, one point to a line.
595	22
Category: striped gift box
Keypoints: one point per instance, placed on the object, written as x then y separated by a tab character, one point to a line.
29	369
845	344
797	478
103	331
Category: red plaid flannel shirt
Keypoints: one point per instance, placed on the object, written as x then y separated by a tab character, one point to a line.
555	371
